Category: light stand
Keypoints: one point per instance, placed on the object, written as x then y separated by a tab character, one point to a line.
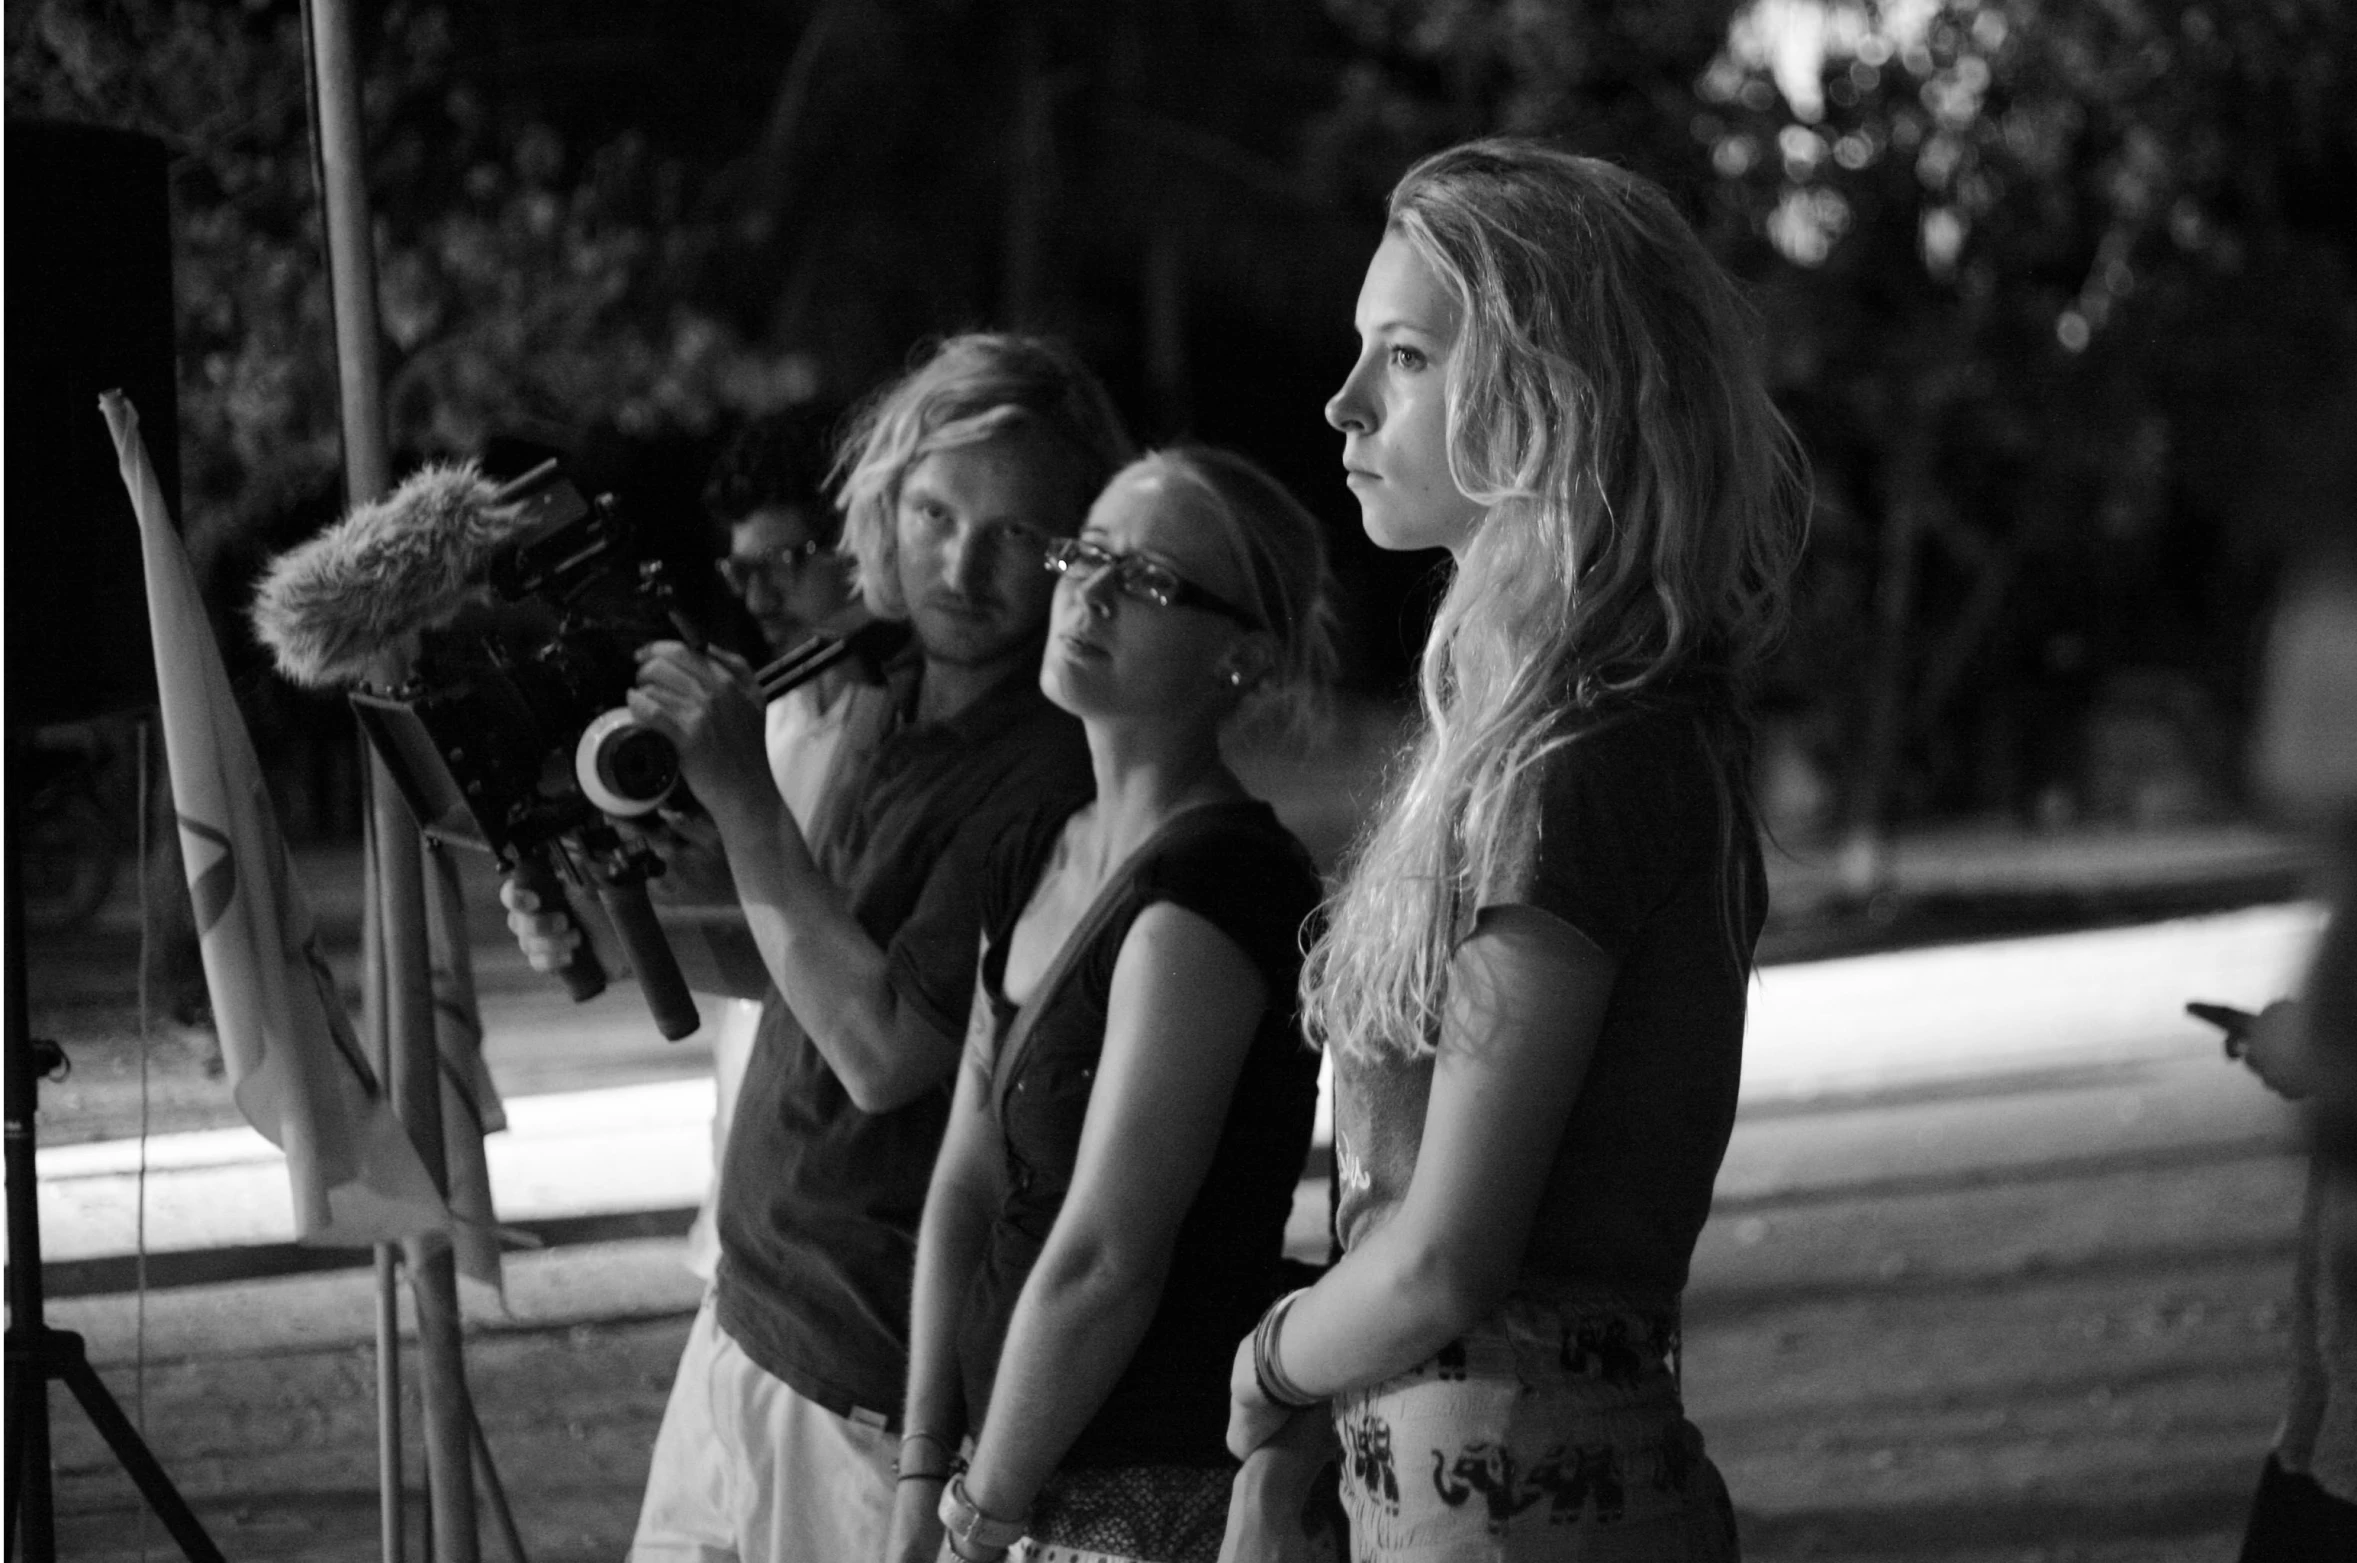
36	1353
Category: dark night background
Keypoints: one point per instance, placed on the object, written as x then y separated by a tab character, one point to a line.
2060	295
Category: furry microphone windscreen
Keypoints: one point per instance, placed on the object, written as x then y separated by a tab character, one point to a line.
391	569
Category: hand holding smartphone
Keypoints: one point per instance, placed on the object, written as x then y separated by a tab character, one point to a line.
2236	1023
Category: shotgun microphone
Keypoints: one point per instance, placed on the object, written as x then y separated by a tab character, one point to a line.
388	572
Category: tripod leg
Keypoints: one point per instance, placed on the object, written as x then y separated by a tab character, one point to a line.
487	1474
31	1520
138	1463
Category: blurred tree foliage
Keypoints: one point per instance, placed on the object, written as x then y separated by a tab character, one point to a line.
1612	78
529	278
2058	290
2062	299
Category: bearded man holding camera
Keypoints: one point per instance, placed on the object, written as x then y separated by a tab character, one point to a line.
778	1444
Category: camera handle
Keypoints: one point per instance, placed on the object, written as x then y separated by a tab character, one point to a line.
624	896
585	975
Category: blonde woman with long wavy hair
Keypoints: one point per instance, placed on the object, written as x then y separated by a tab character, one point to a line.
1532	984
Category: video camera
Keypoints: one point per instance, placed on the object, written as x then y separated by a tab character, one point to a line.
514	616
511	736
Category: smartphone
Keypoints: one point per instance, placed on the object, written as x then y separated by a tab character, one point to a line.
2236	1023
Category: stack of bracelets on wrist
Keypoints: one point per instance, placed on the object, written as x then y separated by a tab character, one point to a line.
948	1466
1279	1389
972	1533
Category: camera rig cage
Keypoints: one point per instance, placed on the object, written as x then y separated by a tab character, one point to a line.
510	734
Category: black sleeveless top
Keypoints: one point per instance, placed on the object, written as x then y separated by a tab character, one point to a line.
1235	866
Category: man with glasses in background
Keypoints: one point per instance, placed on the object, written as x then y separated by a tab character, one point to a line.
767	495
767	492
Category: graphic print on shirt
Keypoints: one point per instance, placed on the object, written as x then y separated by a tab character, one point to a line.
1572	1477
1370	1459
1579	1482
1602	1351
1487	1469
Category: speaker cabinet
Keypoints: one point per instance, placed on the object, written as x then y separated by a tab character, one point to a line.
89	310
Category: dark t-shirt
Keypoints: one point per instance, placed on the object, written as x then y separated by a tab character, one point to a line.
819	1201
1631	845
1236	867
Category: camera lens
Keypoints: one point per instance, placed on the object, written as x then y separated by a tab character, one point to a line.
639	762
624	768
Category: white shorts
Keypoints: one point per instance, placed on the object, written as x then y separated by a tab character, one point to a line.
733	1026
747	1471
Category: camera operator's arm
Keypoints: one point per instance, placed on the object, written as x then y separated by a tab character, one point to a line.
833	976
695	863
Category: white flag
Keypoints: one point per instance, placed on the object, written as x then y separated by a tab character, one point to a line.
293	1062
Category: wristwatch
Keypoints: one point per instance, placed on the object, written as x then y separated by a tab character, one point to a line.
971	1531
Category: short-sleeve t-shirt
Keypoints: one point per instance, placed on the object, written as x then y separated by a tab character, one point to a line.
819	1201
1235	866
1632	850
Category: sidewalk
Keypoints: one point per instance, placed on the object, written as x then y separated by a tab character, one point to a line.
1994	1269
1964	882
631	1160
609	1131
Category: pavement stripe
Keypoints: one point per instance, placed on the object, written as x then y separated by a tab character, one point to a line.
1863	1029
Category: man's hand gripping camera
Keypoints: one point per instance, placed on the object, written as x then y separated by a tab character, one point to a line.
488	636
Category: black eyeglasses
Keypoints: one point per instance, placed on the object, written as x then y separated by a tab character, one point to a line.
774	566
1135	575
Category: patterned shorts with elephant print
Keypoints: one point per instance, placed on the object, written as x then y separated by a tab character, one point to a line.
1552	1430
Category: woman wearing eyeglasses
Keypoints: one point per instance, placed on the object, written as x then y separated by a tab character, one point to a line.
1134	1104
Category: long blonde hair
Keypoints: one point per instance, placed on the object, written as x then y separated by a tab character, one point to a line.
1645	505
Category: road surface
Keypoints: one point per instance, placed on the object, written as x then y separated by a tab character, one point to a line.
1997	1270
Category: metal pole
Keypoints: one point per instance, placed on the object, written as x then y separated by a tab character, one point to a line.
351	257
416	1083
392	1495
392	1545
408	986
